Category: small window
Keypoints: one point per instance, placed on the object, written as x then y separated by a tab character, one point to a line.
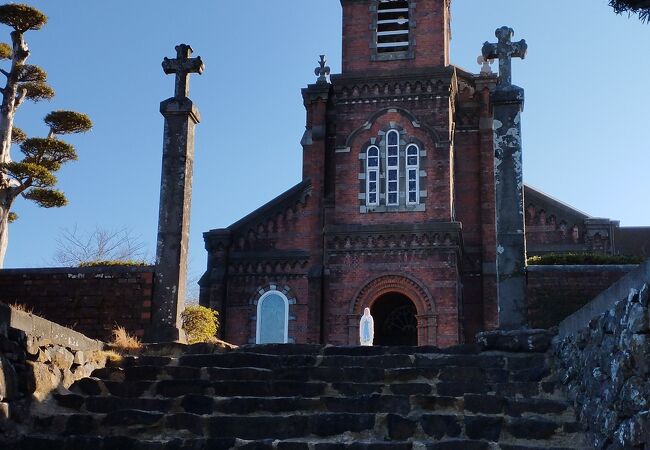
413	174
372	178
393	26
392	168
272	319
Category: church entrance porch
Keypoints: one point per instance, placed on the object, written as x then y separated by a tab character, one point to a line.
403	311
396	320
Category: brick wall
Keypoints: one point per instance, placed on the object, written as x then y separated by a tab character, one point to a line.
91	300
556	292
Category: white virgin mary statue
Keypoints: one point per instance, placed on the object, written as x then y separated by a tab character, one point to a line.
366	329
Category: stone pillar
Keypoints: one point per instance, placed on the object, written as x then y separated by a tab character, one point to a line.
507	103
181	117
510	221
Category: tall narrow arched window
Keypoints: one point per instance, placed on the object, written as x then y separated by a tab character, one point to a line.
272	318
412	174
372	176
392	168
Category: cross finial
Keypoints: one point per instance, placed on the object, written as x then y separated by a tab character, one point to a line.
322	71
505	50
183	65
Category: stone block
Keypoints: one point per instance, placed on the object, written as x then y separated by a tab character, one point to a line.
638	318
483	427
8	380
132	417
368	404
332	424
258	427
258	445
292	446
400	428
452	389
519	407
42	443
61	357
249	405
410	389
184	421
353	389
531	428
243	374
77	424
439	426
127	389
536	341
198	404
459	445
4	412
179	388
71	401
80	358
437	403
142	373
484	404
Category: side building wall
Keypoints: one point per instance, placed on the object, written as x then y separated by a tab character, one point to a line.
556	292
90	300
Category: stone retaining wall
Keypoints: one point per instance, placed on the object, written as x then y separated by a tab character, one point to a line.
606	367
556	292
38	357
91	300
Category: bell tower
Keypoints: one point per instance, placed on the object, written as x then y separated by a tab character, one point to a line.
386	35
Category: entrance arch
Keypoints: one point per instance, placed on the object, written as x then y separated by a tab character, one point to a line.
396	320
380	289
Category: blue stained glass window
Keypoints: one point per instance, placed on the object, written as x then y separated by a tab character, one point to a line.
272	319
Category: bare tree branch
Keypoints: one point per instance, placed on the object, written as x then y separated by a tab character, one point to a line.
75	247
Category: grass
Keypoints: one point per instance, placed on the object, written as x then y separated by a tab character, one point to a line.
22	308
124	342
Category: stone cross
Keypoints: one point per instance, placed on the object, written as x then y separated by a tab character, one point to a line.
507	105
322	71
183	66
505	50
181	117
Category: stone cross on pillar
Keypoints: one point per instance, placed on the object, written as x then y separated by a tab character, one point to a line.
181	117
182	66
504	51
507	103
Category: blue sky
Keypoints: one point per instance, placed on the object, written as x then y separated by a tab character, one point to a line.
584	126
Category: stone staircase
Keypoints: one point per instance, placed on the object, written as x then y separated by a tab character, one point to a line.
300	397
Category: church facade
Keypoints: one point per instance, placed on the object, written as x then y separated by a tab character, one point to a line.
396	208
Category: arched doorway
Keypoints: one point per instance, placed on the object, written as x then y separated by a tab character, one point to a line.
395	320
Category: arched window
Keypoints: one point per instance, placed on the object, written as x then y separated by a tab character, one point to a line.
392	168
272	318
413	174
372	176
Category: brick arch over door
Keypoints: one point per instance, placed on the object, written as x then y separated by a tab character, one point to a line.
406	285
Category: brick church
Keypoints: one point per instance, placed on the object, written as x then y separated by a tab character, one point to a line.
396	208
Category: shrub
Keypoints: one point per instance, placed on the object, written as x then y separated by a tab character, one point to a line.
574	259
200	323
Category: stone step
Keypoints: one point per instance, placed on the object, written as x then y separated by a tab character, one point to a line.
469	404
377	426
129	443
172	388
325	373
233	359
